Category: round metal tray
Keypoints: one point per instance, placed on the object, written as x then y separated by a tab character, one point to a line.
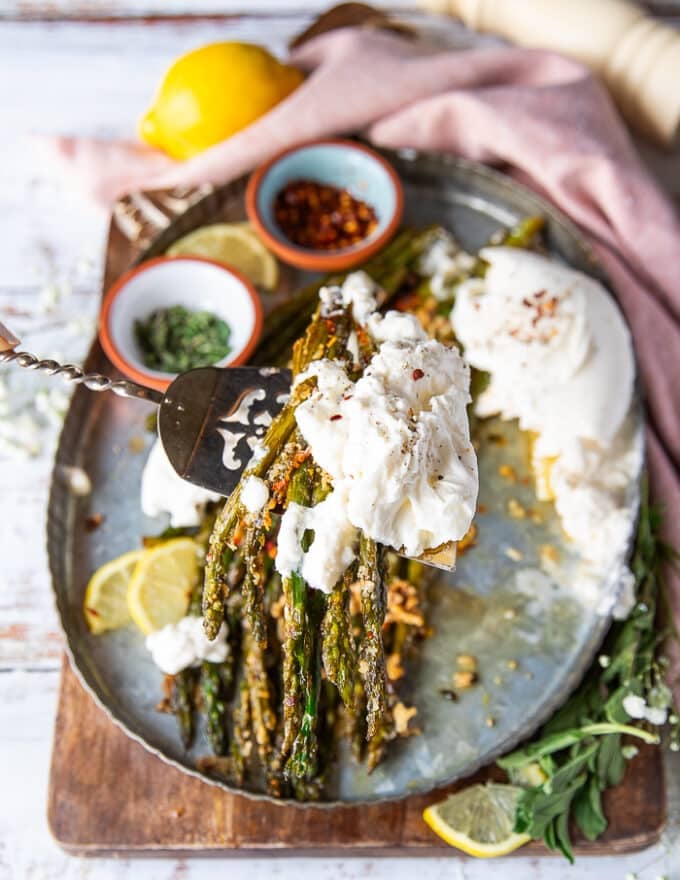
532	636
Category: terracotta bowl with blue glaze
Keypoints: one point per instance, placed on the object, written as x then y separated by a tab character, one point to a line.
339	163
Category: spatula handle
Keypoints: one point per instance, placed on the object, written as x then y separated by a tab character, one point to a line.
71	372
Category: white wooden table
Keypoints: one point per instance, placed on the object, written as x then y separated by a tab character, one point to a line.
94	77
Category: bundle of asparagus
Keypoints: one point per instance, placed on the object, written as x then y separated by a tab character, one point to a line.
320	640
298	658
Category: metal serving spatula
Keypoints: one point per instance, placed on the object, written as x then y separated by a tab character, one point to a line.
209	419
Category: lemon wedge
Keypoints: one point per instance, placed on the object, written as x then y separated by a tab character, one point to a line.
105	604
161	584
235	244
478	820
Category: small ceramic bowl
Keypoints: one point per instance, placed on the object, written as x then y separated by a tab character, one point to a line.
343	164
197	284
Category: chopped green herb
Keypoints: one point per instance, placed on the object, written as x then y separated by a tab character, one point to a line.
175	340
151	422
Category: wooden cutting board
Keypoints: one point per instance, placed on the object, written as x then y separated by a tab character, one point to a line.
108	795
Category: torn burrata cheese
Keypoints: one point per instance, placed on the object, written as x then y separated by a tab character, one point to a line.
444	263
254	494
164	492
180	645
360	293
332	550
395	442
558	351
560	360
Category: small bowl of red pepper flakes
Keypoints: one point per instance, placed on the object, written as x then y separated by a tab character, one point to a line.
325	206
322	217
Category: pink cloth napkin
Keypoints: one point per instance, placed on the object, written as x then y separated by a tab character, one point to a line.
544	118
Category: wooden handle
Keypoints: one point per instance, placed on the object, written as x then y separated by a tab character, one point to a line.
7	339
637	56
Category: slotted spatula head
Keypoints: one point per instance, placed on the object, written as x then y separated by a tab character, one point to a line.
211	419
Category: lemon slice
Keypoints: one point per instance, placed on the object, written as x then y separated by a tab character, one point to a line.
478	820
235	244
161	584
528	776
105	604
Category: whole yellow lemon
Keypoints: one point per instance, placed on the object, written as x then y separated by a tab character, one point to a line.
213	92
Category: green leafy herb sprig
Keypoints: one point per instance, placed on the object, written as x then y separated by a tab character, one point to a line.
175	339
583	749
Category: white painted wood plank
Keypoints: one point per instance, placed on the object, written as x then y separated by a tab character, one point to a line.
55	9
29	633
97	87
98	78
92	9
30	636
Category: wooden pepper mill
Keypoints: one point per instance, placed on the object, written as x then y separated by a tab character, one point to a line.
637	56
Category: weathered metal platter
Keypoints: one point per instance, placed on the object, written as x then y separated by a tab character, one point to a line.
532	636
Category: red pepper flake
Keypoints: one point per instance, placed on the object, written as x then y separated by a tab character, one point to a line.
279	486
335	417
417	374
93	522
322	217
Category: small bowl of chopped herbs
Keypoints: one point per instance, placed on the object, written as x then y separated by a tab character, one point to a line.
174	314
